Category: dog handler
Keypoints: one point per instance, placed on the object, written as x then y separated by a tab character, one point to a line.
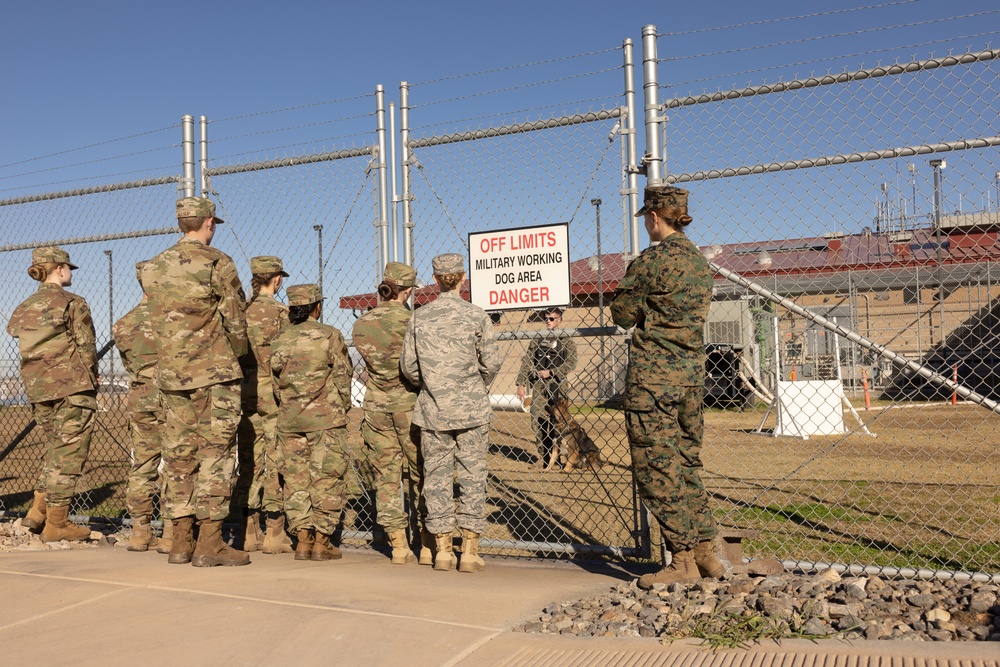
665	295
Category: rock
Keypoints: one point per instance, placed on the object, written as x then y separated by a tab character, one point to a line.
764	567
937	615
776	608
921	600
828	574
815	627
982	602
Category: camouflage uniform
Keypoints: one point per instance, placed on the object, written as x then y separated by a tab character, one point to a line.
197	309
55	335
133	336
258	485
450	352
389	436
557	355
665	295
312	376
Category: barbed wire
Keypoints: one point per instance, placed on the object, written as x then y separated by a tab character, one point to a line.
311	142
511	88
831	36
502	114
82	148
86	162
292	127
90	178
513	67
308	105
780	20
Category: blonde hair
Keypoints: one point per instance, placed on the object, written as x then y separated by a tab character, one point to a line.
40	272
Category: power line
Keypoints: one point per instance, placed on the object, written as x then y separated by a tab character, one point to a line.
296	108
510	88
80	164
511	67
82	148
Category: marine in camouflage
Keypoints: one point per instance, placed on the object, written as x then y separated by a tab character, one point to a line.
665	294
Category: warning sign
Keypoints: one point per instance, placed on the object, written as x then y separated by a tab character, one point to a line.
513	269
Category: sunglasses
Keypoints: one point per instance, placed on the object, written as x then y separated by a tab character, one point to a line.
552	318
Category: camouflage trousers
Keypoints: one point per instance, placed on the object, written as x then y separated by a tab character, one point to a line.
315	465
391	442
67	427
449	456
258	471
198	439
145	424
666	457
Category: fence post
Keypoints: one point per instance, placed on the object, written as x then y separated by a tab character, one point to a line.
629	125
383	188
187	155
404	171
394	194
651	93
203	146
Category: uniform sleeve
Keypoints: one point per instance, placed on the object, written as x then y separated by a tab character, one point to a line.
409	364
569	364
527	364
123	341
630	295
340	362
82	328
232	305
488	351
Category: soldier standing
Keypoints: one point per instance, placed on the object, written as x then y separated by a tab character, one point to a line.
390	438
545	367
312	375
55	334
665	295
450	352
197	309
136	344
258	482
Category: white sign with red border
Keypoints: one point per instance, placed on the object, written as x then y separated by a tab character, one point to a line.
514	269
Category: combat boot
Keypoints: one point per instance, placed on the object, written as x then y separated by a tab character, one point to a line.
426	548
276	540
181	540
306	539
142	535
471	562
682	570
211	550
708	563
166	541
34	520
445	558
59	527
253	537
401	554
323	549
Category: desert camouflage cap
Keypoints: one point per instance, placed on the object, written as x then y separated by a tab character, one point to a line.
401	274
662	196
266	264
450	262
51	255
303	295
197	207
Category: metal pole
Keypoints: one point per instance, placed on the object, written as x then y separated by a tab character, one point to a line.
319	240
404	171
938	165
203	184
187	155
394	227
651	93
632	169
383	186
111	306
913	184
600	298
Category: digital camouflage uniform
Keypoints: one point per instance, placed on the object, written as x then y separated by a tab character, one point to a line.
312	375
55	335
450	352
557	355
390	437
197	309
136	344
258	483
665	295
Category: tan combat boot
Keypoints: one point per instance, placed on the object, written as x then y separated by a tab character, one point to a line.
323	549
253	537
682	570
166	541
445	558
471	562
401	554
34	520
211	550
276	540
306	538
181	540
142	535
426	548
59	527
708	563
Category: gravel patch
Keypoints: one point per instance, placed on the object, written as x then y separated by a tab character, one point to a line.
15	537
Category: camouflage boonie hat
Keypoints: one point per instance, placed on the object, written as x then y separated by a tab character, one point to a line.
51	255
450	262
197	207
401	274
138	270
266	264
304	295
662	196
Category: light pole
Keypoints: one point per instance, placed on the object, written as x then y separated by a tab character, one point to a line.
600	296
938	166
912	168
111	307
996	179
319	239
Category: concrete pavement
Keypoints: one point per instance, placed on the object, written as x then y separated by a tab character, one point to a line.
108	606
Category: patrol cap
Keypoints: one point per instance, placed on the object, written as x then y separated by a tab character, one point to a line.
197	207
401	274
662	196
138	270
266	264
51	255
304	295
450	262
